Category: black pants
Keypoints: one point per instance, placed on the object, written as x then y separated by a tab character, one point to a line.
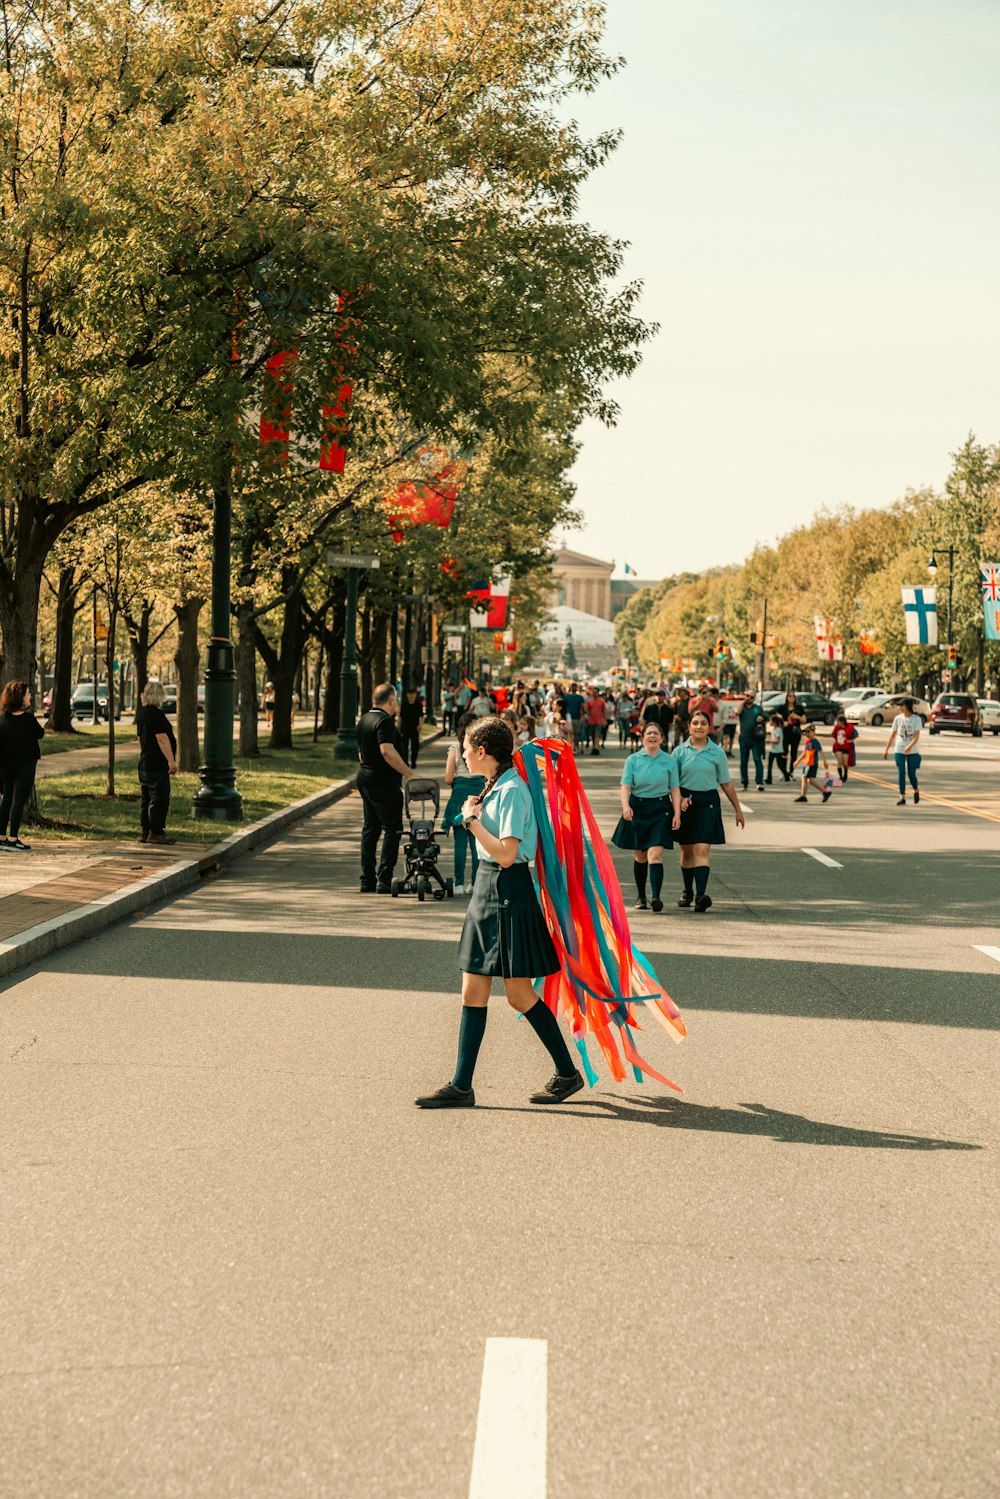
411	745
154	800
383	818
17	786
779	761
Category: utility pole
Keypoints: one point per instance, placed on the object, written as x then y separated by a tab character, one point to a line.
95	719
763	652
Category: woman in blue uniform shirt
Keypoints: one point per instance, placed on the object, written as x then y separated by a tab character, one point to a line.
651	811
703	768
504	934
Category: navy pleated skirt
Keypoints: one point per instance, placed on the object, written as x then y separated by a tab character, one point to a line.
702	822
505	932
650	825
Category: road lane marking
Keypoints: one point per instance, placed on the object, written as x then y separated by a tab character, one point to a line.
815	853
991	952
928	796
511	1433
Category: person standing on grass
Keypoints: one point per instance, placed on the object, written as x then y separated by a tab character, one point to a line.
651	811
753	729
812	753
703	769
380	779
905	734
844	735
504	935
20	732
157	763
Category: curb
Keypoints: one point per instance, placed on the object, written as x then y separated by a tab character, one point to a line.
38	941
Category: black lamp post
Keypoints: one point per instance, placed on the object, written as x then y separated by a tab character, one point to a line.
932	567
217	798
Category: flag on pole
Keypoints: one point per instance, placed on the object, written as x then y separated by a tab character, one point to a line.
920	611
989	573
630	572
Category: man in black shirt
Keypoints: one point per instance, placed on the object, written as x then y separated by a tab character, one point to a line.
157	763
379	781
658	710
411	715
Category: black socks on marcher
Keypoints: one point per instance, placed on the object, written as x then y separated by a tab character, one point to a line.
701	874
687	875
470	1038
640	877
546	1028
656	879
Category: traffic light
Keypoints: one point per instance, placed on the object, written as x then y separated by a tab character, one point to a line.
720	649
953	658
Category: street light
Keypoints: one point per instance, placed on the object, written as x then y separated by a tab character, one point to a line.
932	567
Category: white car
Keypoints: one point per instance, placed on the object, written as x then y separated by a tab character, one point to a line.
856	695
991	714
882	709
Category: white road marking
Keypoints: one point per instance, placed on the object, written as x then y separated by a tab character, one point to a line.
509	1461
991	952
815	853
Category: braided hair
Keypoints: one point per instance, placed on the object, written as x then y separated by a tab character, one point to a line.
496	737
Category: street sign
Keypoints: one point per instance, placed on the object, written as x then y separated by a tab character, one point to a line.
453	642
350	559
946	676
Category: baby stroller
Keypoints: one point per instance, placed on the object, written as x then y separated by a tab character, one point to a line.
422	875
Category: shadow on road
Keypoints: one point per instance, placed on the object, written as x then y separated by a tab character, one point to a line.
747	1119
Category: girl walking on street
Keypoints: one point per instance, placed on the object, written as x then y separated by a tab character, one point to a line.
20	732
809	759
703	769
844	735
905	734
463	784
651	812
505	935
776	748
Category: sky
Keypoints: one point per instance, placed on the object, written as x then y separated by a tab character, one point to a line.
810	190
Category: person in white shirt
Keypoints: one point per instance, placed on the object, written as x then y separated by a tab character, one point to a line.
905	734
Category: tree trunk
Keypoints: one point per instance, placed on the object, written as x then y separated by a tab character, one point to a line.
246	685
333	651
138	634
109	661
980	662
60	719
187	660
365	657
19	595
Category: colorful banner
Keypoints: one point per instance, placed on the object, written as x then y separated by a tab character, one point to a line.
920	612
989	573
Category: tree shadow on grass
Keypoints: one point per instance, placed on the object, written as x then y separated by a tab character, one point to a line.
745	1119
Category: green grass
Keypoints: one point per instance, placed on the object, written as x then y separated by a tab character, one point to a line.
75	805
88	736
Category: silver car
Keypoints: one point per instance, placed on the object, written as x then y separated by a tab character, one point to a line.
991	714
877	711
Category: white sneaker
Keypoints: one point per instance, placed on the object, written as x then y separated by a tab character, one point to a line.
459	889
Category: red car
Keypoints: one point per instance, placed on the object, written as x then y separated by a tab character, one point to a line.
958	711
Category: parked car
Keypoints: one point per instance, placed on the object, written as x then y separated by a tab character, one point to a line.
883	709
856	695
989	711
958	711
82	702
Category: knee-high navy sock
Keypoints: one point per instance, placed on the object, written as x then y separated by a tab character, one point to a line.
701	878
640	877
546	1028
687	875
656	880
470	1038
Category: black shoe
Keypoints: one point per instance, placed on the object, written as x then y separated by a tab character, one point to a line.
687	899
18	846
160	838
641	904
801	798
901	802
760	787
143	837
383	889
703	902
916	797
657	903
366	889
558	1088
827	795
448	1097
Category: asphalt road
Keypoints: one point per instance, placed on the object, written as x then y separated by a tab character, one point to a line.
238	1261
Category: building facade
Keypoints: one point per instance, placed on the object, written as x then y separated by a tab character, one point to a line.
582	583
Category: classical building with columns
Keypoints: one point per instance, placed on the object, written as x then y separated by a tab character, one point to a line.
582	583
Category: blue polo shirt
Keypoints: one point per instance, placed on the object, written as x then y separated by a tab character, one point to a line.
651	775
508	813
704	769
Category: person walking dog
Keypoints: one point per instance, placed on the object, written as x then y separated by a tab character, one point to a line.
20	732
157	763
905	734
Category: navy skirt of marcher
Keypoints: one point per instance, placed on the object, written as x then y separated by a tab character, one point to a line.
702	822
505	932
650	825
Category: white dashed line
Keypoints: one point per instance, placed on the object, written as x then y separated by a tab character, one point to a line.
512	1431
991	952
815	853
